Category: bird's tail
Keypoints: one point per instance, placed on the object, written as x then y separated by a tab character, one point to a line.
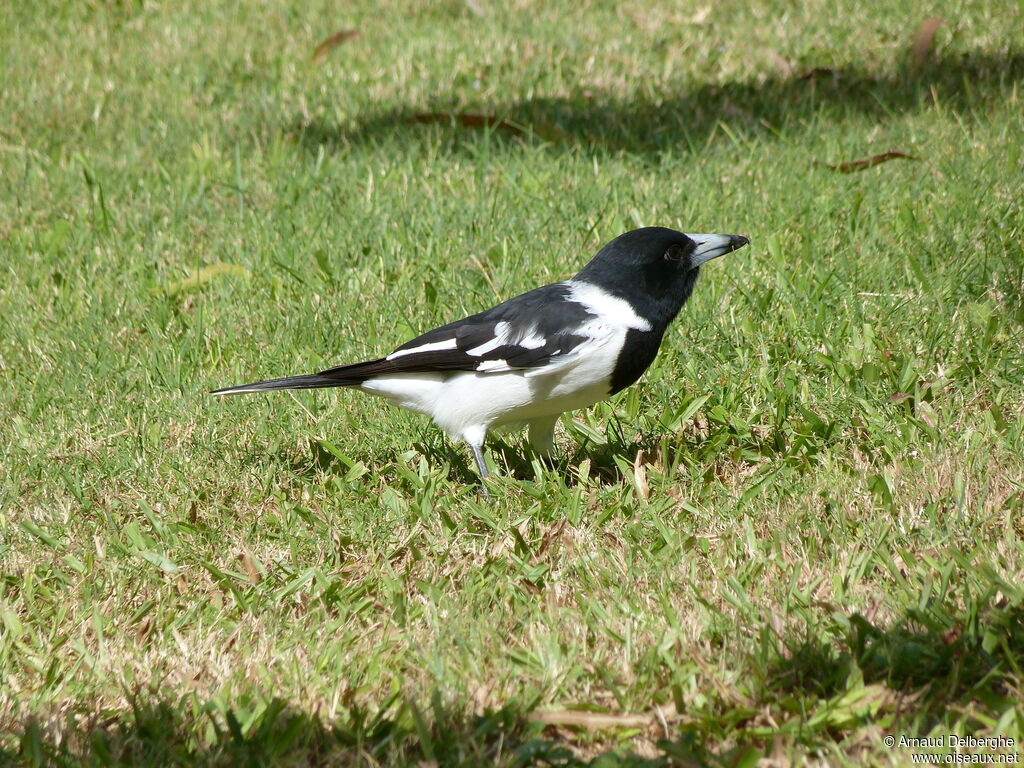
310	381
340	376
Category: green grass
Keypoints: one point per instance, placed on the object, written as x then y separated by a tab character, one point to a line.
799	532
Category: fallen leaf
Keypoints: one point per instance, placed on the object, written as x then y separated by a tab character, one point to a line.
550	536
144	628
640	475
781	63
900	564
701	16
252	570
926	414
330	43
204	275
817	72
232	637
594	721
864	163
921	48
952	635
467	120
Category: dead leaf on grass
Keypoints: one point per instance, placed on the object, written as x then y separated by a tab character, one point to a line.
251	567
782	63
816	72
927	414
467	120
921	48
700	18
593	721
640	475
952	635
550	536
143	630
862	164
204	275
328	44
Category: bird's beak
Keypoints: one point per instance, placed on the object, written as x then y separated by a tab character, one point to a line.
712	246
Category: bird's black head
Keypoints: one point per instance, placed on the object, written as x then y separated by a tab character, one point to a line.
655	268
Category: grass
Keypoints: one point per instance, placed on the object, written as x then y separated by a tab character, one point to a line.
800	532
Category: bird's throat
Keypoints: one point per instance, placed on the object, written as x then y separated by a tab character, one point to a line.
638	352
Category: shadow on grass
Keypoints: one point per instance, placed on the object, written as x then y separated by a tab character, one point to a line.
162	733
516	459
695	116
513	457
940	665
938	662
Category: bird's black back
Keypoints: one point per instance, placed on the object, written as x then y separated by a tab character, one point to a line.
545	313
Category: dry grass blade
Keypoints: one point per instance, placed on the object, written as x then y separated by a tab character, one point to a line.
467	120
921	48
253	569
700	18
328	44
781	62
202	276
594	721
862	164
640	475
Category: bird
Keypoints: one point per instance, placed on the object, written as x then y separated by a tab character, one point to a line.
553	349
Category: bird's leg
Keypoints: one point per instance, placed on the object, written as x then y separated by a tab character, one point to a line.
474	437
478	455
541	435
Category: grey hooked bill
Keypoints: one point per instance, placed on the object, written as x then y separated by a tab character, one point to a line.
712	246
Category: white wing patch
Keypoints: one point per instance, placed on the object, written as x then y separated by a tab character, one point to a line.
503	337
500	339
493	366
611	309
532	341
431	347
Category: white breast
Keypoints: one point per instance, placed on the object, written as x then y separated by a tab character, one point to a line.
465	402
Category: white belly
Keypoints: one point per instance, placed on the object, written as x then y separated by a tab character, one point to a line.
466	400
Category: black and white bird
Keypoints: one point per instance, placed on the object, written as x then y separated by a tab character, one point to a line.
532	358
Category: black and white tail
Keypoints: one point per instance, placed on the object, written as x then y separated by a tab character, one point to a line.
341	376
311	381
399	362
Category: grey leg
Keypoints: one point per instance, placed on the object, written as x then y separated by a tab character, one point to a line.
474	437
481	466
478	455
542	434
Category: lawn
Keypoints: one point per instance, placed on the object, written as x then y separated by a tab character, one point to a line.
798	534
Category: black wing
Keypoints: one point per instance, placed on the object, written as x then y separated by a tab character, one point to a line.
536	329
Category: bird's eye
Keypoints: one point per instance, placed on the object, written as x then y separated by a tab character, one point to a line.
674	253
